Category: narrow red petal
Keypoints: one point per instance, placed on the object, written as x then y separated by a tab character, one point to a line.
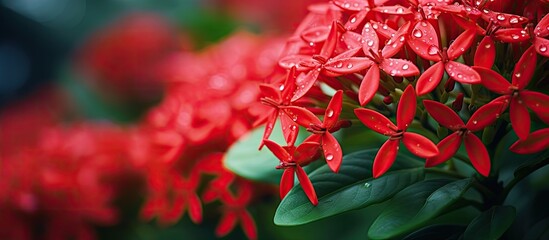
305	152
369	85
248	225
333	110
478	155
289	86
371	41
406	110
383	29
290	129
419	145
542	29
524	69
536	142
485	116
520	118
306	184
277	150
542	46
226	224
294	61
399	67
493	81
356	19
269	126
503	19
423	40
396	42
461	44
375	121
195	208
430	79
341	66
352	5
462	73
444	115
286	182
301	116
485	55
305	82
330	43
332	151
538	102
269	91
447	148
315	34
393	10
511	35
385	157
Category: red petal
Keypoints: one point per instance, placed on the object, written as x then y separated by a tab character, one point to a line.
399	67
356	20
536	142
369	85
385	157
269	91
423	40
226	224
289	86
542	29
330	43
332	151
493	81
511	35
477	154
375	121
248	225
290	129
301	116
195	208
538	102
352	5
542	46
371	41
383	29
503	19
174	213
461	44
352	39
447	148
306	185
295	61
462	73
524	69
278	151
485	55
333	110
315	34
347	65
396	42
406	110
305	152
286	182
393	10
304	83
430	79
419	145
485	116
444	115
520	118
269	126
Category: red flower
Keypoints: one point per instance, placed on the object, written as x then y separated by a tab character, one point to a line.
540	31
235	210
515	93
424	41
417	144
322	131
291	160
476	150
535	142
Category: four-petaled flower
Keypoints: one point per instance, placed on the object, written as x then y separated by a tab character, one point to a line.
416	143
291	160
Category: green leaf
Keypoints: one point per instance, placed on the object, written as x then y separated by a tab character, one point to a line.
414	206
437	232
244	158
539	230
491	224
352	188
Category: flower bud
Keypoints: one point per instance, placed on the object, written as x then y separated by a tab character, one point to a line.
458	103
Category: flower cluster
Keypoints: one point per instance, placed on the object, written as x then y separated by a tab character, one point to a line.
420	60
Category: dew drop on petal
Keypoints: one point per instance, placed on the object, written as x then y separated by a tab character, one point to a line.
350	65
370	43
400	10
417	33
517	75
433	50
329	157
500	17
393	72
346	5
514	36
293	127
353	20
488	45
385	27
330	113
405	66
281	88
513	20
475	122
401	39
542	48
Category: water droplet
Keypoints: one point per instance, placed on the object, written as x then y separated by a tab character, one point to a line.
375	26
370	43
405	66
488	45
329	157
293	127
393	72
514	36
400	10
513	20
475	122
537	104
433	50
350	65
542	48
385	27
401	39
423	24
281	87
417	33
517	75
294	118
367	185
519	101
353	20
346	5
330	113
500	17
311	44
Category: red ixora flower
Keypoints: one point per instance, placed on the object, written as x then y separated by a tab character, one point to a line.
515	94
322	130
417	144
476	150
234	210
291	160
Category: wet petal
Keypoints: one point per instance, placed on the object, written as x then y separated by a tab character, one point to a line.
444	115
538	102
493	81
301	116
315	34
478	155
352	5
447	148
369	85
356	19
347	65
399	67
485	55
332	151
286	181
485	116
462	73
423	40
393	10
461	44
406	108
395	43
306	185
278	151
305	82
353	40
306	152
290	128
333	110
296	61
289	86
503	19
542	46
542	29
375	121
520	118
371	41
383	29
512	35
536	142
524	69
269	91
430	79
419	145
385	157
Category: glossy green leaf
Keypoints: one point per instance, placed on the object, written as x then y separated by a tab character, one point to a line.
491	224
352	188
440	231
244	158
412	207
